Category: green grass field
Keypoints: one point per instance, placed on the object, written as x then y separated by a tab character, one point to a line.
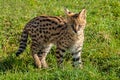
101	51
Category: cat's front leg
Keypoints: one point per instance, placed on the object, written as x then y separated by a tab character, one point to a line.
76	58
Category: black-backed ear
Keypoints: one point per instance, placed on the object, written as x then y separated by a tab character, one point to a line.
82	14
67	12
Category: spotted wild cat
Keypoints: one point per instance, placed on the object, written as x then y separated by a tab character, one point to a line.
66	34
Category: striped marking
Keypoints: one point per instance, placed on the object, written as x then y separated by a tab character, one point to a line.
76	58
22	43
73	28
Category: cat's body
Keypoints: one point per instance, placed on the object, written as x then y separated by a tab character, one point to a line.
66	34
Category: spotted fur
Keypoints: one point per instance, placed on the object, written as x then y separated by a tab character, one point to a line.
45	31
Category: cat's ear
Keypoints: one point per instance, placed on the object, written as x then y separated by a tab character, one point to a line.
67	12
82	14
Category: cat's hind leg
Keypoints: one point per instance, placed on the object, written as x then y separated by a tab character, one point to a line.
44	50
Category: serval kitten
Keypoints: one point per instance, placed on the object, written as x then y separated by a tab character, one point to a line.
66	34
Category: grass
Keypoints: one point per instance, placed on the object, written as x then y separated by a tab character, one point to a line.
101	51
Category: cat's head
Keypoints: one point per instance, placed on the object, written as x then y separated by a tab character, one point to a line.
76	20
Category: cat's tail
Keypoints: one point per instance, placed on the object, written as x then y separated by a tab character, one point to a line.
23	42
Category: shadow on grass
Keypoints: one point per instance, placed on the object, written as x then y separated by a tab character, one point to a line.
7	63
13	63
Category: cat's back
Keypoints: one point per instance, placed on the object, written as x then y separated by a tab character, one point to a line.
45	21
46	27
